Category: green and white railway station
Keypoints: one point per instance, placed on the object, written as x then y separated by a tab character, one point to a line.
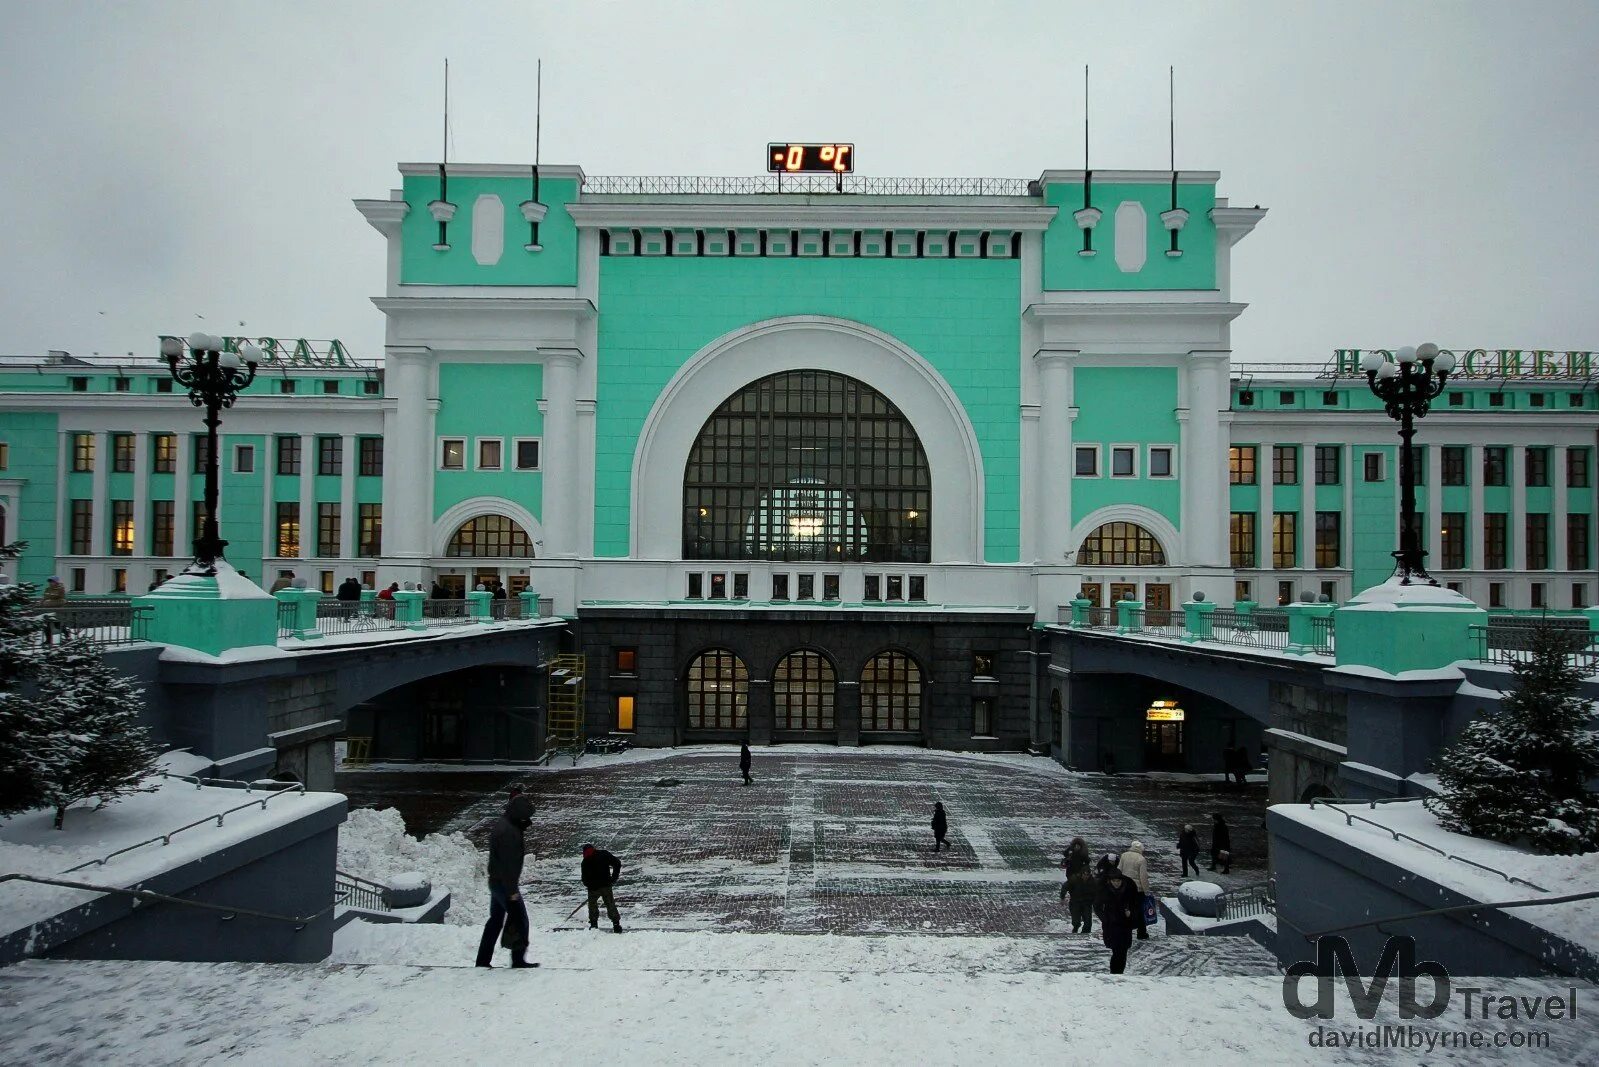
829	464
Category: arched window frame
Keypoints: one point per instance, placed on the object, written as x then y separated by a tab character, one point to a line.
489	531
804	691
1121	544
716	691
892	689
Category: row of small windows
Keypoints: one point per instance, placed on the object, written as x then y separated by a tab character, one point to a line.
804	586
164	454
896	244
804	692
1452	540
490	454
1453	459
1248	398
1124	461
329	386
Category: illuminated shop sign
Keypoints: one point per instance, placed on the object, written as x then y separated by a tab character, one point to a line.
1164	711
1529	363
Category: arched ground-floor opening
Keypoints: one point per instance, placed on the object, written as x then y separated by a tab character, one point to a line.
492	714
1129	722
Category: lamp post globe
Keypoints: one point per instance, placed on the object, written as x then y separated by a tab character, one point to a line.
1407	387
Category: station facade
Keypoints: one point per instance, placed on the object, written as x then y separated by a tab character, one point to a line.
809	465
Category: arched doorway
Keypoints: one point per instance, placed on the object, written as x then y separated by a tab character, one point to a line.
490	543
717	691
1127	544
891	694
804	689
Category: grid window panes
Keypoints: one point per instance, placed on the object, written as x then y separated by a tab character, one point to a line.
1241	464
287	385
717	691
1285	539
1578	557
1124	544
289	454
330	385
1372	466
1454	463
83	451
122	453
803	690
122	527
1418	466
371	456
490	535
1454	540
164	453
807	465
719	586
1123	462
1242	536
741	585
779	587
327	529
490	453
527	454
1537	541
244	459
696	586
200	447
82	523
1086	458
872	588
370	539
1495	464
163	519
891	693
1285	465
1329	539
1495	540
1160	462
807	587
288	528
830	587
916	588
983	664
1577	468
330	455
1537	466
1329	464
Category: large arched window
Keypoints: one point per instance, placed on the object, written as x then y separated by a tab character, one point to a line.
1121	544
718	691
807	465
490	535
803	688
891	693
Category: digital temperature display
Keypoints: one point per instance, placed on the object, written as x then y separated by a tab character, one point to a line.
810	158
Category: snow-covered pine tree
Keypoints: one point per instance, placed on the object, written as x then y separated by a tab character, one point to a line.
22	728
1520	775
98	750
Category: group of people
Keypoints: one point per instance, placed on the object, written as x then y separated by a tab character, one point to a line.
1221	846
1236	763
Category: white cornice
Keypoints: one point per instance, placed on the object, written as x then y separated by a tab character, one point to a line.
1223	311
819	212
384	215
571	305
1153	177
496	170
1236	222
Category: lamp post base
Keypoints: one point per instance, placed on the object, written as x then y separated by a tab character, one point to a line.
1409	570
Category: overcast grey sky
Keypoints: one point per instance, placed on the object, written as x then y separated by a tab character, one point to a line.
1432	169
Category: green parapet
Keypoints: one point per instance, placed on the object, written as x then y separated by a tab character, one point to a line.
305	625
1395	628
369	603
1125	622
530	603
1197	621
479	604
212	614
408	608
1244	614
1303	636
1080	608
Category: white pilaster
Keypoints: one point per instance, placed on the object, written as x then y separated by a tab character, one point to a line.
182	462
308	467
1054	506
99	540
1518	508
1474	522
560	465
1203	462
63	505
1559	542
1266	545
347	516
409	463
1434	532
141	495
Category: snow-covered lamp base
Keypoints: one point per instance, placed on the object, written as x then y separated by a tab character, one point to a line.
212	614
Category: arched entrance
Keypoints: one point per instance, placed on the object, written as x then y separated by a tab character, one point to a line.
804	691
717	691
891	694
1122	545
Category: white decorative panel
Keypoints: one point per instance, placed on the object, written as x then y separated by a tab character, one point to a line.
488	229
1132	236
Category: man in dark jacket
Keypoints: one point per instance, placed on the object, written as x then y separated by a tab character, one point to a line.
1121	913
350	589
1221	844
1080	885
600	872
1188	849
744	761
506	850
940	825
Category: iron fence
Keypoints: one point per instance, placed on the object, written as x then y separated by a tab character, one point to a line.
1321	630
445	613
689	185
288	618
354	617
1511	643
353	891
1161	622
1246	900
1249	630
104	623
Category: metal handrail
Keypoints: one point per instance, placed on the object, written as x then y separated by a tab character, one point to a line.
166	838
1531	903
1258	894
1350	818
300	923
369	895
1399	836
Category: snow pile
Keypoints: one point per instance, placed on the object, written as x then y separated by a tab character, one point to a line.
373	844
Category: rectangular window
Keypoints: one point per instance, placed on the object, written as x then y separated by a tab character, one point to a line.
122	527
1577	534
164	453
1574	400
1496	400
1454	540
82	528
624	712
1496	590
1418	466
527	453
896	588
196	519
1160	462
1330	591
330	455
327	530
983	664
5	456
1123	462
371	386
918	588
83	452
1286	397
741	585
779	587
719	586
1577	468
1457	400
696	586
1329	399
119	579
1087	461
1329	539
1454	462
1372	462
1535	400
289	454
830	587
287	385
1242	536
371	459
1538	594
1537	466
122	385
1537	541
288	528
1242	592
79	582
1579	594
452	453
626	661
243	459
1241	464
982	717
1284	539
489	451
873	588
370	531
200	447
1495	540
122	453
79	385
1495	464
806	589
163	519
1285	593
1329	460
1285	465
330	385
163	385
327	583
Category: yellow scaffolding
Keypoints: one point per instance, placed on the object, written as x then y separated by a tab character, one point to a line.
564	708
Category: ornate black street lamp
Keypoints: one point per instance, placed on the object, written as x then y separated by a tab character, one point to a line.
1406	386
213	376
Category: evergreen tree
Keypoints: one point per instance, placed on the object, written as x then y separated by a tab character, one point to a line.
97	750
1520	775
23	729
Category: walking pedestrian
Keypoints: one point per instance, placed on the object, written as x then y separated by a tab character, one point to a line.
940	825
1121	911
744	761
1221	844
55	594
506	851
1188	849
350	590
1136	868
600	872
1080	886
